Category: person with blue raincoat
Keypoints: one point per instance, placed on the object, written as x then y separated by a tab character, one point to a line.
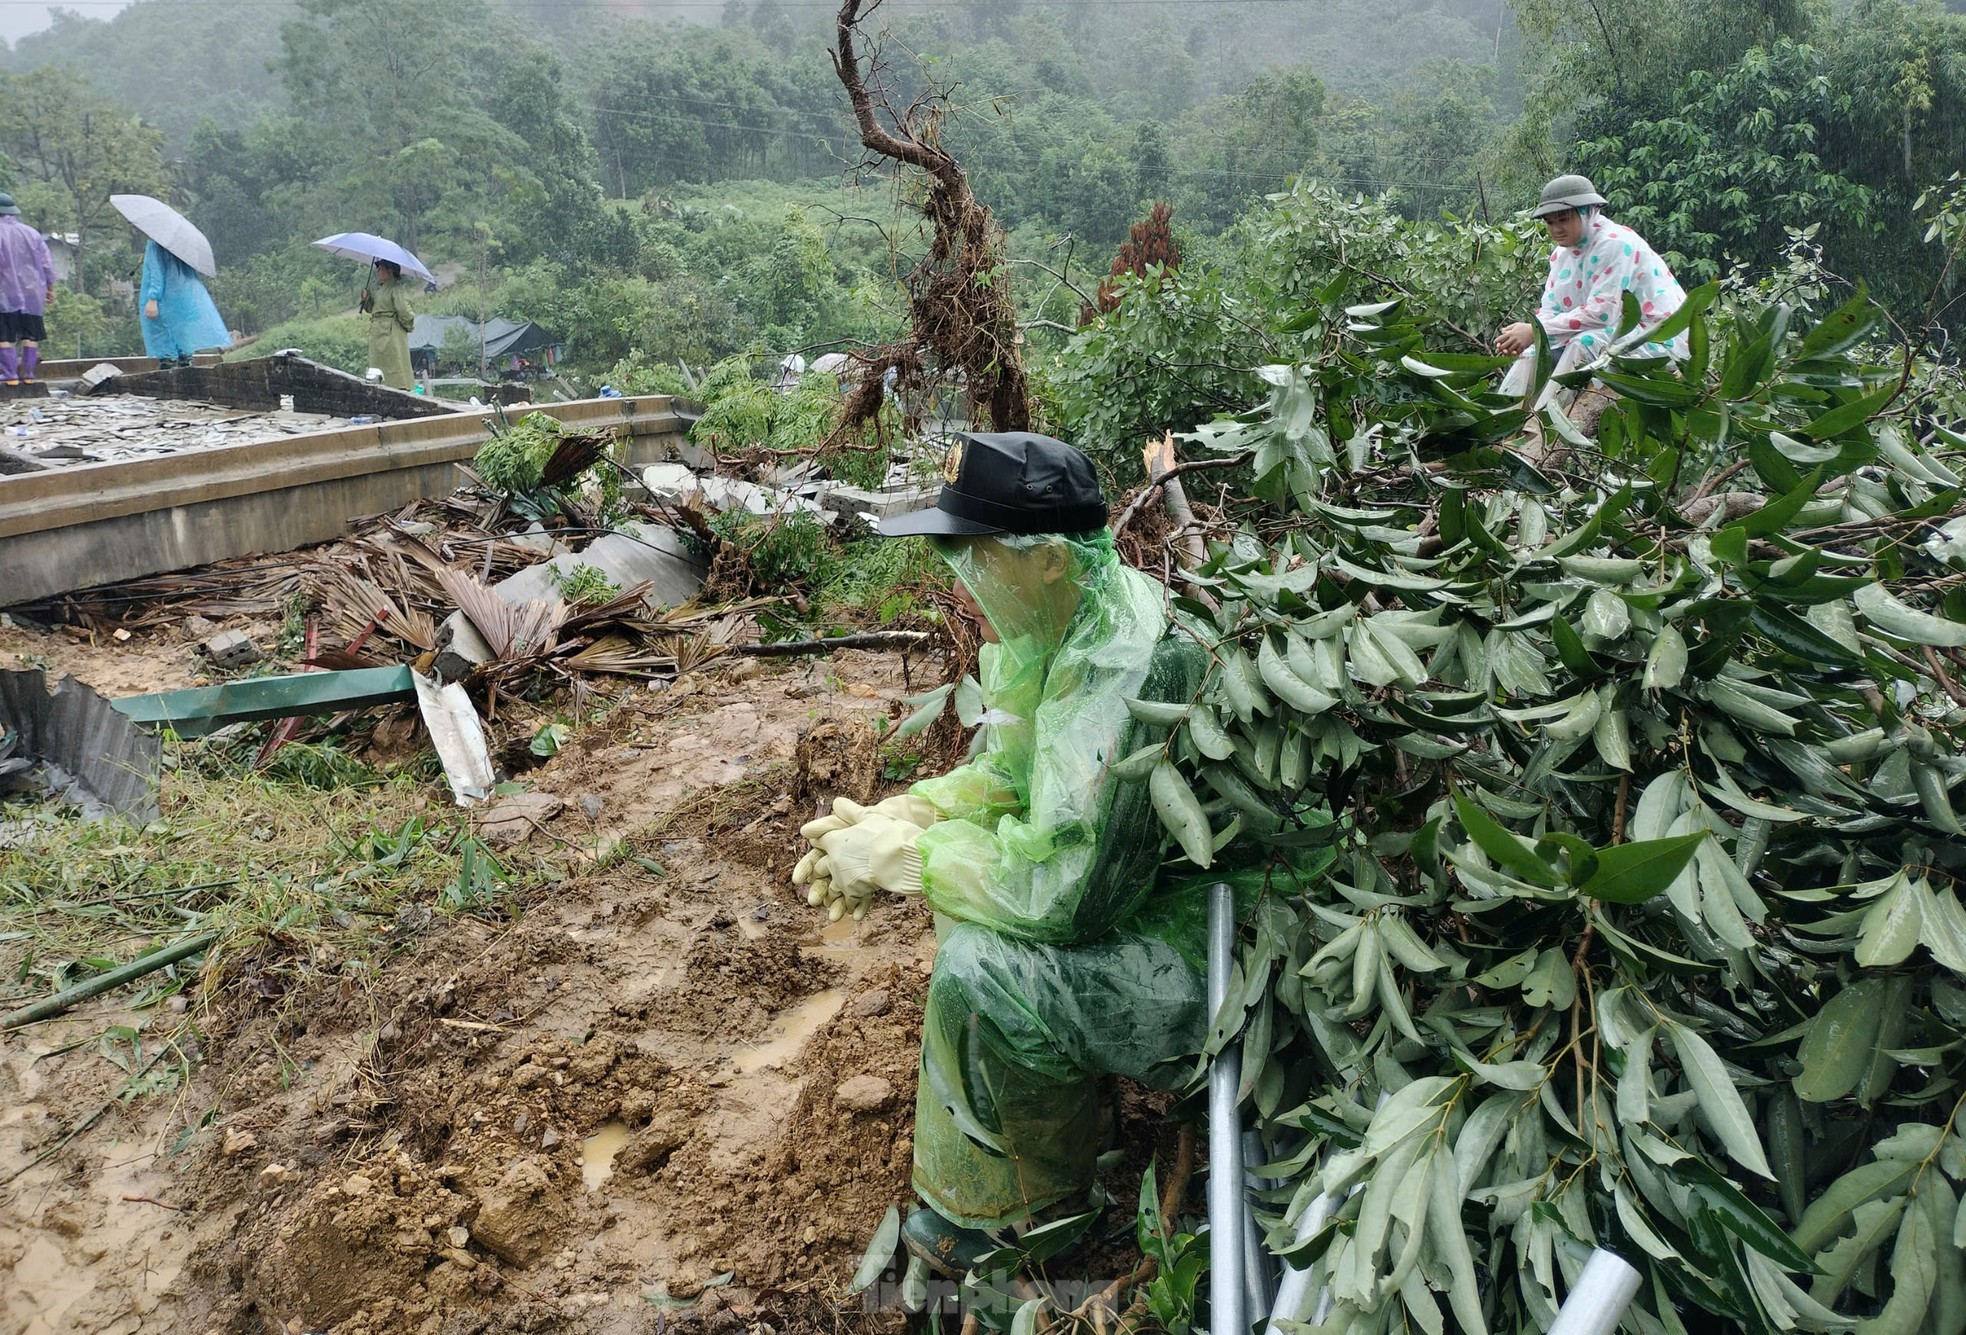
1063	954
178	315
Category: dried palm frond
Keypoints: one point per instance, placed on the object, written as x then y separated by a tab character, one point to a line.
513	630
619	656
624	606
574	455
352	603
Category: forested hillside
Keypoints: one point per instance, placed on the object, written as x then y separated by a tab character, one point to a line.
1593	761
664	182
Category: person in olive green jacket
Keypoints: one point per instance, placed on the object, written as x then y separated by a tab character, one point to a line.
386	301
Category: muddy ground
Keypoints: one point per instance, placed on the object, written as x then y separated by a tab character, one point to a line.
668	1094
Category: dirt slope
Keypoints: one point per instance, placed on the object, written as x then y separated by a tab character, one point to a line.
668	1074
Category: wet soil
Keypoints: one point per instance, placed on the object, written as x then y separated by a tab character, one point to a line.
163	658
669	1093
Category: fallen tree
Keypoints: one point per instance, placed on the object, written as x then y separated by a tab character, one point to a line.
1642	927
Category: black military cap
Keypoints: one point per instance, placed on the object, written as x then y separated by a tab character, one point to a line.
1009	482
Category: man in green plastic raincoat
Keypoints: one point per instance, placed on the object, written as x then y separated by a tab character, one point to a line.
1058	959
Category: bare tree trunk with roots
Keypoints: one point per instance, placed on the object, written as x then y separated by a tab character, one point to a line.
961	316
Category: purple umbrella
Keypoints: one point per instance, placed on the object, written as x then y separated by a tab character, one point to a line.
368	246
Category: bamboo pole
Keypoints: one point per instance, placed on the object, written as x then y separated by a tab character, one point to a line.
68	997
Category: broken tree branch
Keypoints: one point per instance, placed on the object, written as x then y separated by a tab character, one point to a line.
1160	480
1060	279
1938	670
903	640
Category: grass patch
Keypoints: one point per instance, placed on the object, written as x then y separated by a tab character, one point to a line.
314	859
883	578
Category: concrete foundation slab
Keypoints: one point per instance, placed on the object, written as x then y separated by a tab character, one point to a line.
94	524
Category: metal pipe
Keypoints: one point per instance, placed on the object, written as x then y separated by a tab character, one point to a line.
1255	1274
1258	1267
1294	1293
1227	1200
1598	1299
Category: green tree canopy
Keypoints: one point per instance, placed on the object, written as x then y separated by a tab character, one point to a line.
74	148
1734	165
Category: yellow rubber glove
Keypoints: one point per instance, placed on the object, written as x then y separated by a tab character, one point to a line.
815	869
900	865
896	865
917	811
845	812
860	856
812	869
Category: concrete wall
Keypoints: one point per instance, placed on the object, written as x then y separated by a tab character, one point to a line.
76	528
71	368
257	385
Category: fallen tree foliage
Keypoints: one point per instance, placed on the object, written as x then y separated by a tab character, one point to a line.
1643	928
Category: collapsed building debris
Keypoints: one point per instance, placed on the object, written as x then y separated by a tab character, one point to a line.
74	745
202	710
798	490
448	596
458	735
94	524
649	561
114	427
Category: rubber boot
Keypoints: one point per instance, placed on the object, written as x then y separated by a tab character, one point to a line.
30	357
949	1249
9	374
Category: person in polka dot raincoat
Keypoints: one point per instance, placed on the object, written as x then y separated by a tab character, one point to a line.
1595	262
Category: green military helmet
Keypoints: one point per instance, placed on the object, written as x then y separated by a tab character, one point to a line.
1566	192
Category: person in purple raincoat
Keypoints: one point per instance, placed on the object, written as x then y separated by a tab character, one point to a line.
27	285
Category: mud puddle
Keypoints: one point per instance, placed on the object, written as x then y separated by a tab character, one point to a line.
791	1032
597	1153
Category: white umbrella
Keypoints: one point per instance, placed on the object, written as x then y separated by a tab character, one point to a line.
369	246
169	229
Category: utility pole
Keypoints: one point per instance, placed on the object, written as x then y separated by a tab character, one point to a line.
484	247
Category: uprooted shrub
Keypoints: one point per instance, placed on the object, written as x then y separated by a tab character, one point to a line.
746	418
